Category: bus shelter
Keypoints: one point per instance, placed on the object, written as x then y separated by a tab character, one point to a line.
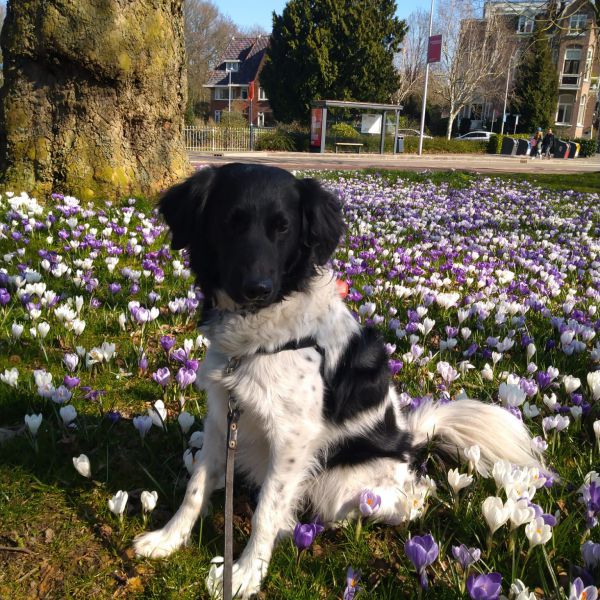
318	131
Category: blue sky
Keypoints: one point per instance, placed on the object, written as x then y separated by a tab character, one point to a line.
258	12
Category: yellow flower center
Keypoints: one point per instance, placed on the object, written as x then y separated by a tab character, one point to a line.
369	501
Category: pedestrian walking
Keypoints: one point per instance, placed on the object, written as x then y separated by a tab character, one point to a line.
536	144
548	144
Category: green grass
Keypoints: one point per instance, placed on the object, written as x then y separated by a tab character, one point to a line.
66	544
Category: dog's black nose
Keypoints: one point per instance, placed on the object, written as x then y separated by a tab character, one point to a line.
258	289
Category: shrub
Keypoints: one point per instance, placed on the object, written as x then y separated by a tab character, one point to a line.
343	131
441	145
278	140
587	147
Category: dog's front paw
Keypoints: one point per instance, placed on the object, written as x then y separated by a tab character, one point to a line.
246	578
159	543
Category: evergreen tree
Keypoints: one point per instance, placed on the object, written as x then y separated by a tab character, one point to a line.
536	84
331	49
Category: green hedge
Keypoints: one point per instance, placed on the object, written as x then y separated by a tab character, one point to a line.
279	140
436	145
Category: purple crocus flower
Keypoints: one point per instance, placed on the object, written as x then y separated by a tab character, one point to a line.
162	376
185	377
143	363
484	587
71	382
167	342
579	591
304	535
369	503
4	297
113	416
114	288
590	552
395	366
422	551
180	355
352	579
466	556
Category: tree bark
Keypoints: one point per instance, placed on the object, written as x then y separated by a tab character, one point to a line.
93	98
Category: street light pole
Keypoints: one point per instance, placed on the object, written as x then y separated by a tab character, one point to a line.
229	92
424	105
506	95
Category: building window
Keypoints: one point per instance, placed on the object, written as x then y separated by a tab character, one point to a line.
217	116
571	66
221	93
588	64
262	94
260	119
577	23
244	93
581	113
565	109
525	24
232	65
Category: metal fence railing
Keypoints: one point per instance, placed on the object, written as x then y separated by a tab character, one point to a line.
222	138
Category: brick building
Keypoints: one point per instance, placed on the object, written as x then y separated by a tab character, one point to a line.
575	48
229	83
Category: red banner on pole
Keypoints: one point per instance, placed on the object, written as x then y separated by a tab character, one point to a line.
316	121
434	49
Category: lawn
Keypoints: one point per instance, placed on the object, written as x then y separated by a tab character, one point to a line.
485	287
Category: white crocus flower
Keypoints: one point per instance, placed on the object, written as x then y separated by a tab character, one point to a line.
117	503
571	383
43	329
68	414
511	394
530	351
521	513
189	459
214	580
593	381
538	532
158	414
10	377
196	439
142	423
530	410
458	481
16	330
495	512
487	373
186	421
596	427
149	500
447	372
550	401
519	591
82	465
33	423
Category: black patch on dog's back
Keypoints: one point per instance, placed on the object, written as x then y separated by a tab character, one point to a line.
361	379
384	440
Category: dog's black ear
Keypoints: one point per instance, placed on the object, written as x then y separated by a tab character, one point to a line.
322	223
182	204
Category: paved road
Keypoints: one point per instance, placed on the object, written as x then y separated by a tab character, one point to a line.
481	163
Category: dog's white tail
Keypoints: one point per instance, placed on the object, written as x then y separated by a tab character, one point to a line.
464	423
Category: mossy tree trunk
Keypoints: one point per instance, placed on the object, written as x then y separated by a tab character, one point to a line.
93	98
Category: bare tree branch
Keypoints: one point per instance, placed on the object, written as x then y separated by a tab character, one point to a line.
410	61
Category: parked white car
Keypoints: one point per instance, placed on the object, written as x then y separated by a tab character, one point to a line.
412	132
475	136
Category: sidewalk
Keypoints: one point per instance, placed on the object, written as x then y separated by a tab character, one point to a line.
481	163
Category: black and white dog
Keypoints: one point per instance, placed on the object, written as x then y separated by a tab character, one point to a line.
319	421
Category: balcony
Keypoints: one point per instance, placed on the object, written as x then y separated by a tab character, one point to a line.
569	81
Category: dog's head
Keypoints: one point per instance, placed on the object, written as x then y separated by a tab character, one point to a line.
254	233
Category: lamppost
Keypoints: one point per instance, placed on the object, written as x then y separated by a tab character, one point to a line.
229	89
506	93
424	106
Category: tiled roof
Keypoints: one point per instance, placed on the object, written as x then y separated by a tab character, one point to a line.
250	51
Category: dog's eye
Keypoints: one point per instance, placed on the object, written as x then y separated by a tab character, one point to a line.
279	224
